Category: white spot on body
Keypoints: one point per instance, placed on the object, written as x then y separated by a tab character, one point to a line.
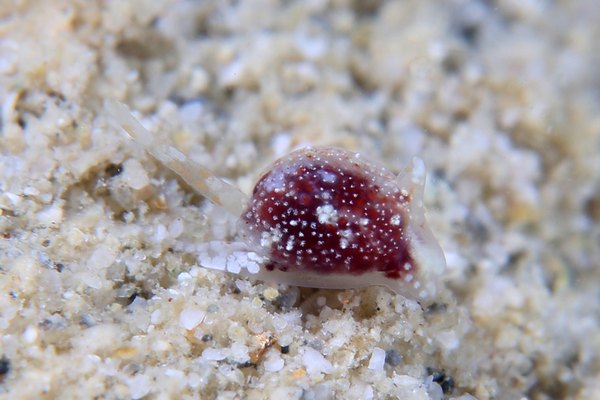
327	176
347	233
267	238
290	243
327	214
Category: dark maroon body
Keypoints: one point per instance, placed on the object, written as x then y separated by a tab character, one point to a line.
327	210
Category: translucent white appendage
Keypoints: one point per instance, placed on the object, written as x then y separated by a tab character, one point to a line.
233	257
424	248
200	178
236	258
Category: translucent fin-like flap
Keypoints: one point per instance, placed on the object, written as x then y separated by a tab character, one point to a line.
412	178
200	178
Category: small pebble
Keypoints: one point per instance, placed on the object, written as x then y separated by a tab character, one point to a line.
271	293
273	363
4	366
30	334
139	385
113	170
213	354
212	308
190	318
446	382
287	299
393	357
377	359
315	362
135	175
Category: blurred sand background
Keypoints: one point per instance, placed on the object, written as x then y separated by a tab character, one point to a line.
99	297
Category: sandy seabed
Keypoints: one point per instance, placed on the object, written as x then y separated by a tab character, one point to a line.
100	298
